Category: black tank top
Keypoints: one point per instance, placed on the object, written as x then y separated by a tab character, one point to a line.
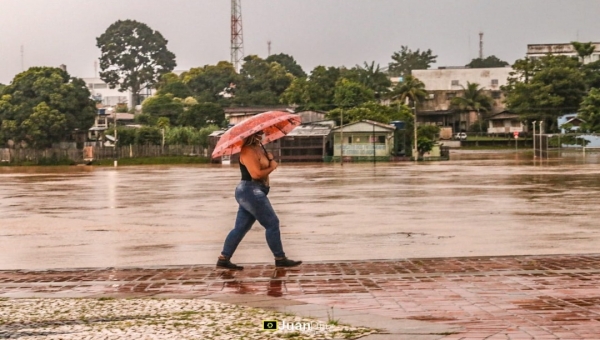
245	173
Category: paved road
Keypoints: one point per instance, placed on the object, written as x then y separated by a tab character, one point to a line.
511	297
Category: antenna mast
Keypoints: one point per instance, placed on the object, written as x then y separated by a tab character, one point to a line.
237	38
268	48
480	45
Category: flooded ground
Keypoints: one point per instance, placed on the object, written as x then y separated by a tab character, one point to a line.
478	203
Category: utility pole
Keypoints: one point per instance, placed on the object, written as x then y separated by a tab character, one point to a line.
534	151
415	150
237	38
342	138
268	48
480	45
115	145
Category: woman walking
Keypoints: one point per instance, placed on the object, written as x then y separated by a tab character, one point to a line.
251	194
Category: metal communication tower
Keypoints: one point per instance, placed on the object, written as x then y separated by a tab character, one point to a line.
237	38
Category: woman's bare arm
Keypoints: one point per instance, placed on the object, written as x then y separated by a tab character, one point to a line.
250	159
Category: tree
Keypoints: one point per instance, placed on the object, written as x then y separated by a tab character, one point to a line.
545	89
315	92
405	60
589	111
491	61
371	111
44	126
2	86
211	82
262	82
61	96
163	106
289	63
201	115
473	99
133	57
349	94
583	49
170	83
371	77
410	90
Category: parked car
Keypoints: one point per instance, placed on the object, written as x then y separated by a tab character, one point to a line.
461	136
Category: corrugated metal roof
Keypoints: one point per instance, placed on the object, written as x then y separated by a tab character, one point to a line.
310	130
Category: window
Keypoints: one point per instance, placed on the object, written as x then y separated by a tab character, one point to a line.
99	86
497	123
349	140
496	94
450	95
381	139
494	82
431	96
455	83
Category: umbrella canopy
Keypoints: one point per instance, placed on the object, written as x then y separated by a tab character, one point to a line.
274	124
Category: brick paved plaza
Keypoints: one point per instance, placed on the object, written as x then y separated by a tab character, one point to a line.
512	297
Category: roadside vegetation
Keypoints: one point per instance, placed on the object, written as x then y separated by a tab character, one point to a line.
43	106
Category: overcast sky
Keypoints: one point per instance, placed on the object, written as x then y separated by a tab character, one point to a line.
314	32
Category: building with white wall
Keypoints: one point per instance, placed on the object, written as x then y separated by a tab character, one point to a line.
445	83
455	78
567	49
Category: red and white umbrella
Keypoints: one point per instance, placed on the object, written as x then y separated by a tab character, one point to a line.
274	124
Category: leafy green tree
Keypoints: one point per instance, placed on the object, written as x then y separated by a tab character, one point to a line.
545	89
201	115
134	56
591	73
349	94
2	86
62	96
406	60
589	111
289	63
171	84
488	62
262	83
148	135
44	126
371	111
315	92
212	83
411	90
473	99
371	77
163	106
583	49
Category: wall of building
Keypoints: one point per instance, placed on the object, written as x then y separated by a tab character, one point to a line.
453	79
540	50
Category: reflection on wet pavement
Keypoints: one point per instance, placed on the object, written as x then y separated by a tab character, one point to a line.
476	204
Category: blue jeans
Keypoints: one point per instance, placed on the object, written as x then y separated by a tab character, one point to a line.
253	206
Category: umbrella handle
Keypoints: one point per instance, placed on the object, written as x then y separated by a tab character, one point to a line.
265	150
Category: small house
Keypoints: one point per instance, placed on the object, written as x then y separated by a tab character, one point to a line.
363	140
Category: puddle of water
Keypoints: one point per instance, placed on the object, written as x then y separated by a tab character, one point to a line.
479	203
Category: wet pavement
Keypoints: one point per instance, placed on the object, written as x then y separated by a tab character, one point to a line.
485	246
512	297
476	204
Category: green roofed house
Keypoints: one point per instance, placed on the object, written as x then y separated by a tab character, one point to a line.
363	140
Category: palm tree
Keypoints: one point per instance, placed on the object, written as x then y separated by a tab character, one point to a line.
374	78
411	89
473	99
583	49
